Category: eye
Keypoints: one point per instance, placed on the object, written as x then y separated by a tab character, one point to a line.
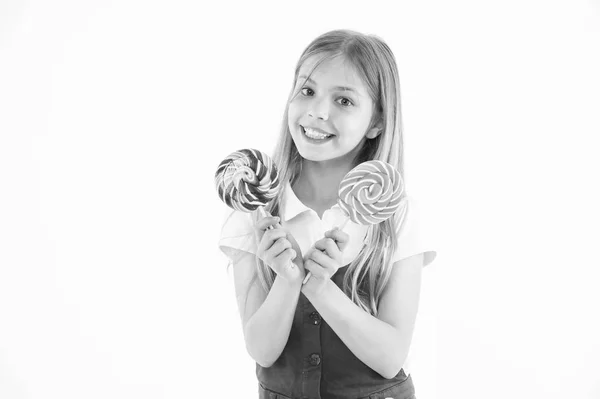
305	91
346	102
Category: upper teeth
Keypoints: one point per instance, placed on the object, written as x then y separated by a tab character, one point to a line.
314	134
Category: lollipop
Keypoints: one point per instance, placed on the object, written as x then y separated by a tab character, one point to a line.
247	180
369	194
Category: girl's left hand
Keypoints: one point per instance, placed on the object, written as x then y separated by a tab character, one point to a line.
325	259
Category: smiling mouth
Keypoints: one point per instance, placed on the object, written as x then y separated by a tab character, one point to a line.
314	135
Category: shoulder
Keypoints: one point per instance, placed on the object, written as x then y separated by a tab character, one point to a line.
237	221
415	232
237	234
408	213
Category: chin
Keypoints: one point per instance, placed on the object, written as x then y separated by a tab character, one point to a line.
312	155
319	156
316	158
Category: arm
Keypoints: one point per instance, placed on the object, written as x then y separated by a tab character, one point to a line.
381	342
267	317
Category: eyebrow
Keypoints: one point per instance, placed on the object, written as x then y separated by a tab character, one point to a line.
335	88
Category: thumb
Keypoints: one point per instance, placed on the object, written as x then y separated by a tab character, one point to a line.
340	238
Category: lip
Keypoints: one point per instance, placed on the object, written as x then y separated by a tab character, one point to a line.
316	129
315	141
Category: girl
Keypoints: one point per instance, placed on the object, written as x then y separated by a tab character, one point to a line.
346	333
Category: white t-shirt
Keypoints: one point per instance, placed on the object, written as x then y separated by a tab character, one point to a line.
307	228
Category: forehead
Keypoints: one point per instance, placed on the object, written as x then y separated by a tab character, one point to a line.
335	71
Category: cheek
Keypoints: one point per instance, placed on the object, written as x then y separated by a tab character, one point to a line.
294	116
359	126
294	111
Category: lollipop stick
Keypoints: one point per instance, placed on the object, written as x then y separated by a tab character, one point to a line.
308	275
265	214
344	224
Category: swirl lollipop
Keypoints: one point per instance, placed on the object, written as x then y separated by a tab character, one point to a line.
369	194
247	180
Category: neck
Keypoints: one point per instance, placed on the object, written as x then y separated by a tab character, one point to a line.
319	182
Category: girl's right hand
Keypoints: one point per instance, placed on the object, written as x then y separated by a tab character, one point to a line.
278	248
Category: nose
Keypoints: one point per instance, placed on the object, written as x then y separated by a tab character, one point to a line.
319	109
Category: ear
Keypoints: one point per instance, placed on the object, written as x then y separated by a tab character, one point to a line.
375	130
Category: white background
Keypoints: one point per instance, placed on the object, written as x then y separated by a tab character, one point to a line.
115	114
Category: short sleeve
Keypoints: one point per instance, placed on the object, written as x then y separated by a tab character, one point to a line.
414	237
237	235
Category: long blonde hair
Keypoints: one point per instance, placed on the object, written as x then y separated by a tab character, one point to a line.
373	60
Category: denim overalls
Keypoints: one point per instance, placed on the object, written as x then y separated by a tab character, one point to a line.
315	363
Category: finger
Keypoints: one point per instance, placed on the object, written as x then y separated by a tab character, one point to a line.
269	244
292	254
324	260
340	237
314	268
329	246
279	246
273	235
265	223
320	245
269	238
287	256
294	243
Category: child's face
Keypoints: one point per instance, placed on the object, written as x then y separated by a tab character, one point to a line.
322	105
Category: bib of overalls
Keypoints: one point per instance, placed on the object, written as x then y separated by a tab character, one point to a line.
316	364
